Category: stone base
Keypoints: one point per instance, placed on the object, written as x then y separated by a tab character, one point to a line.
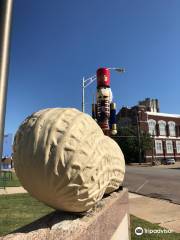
109	220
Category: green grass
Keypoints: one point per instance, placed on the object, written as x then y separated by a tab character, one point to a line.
9	182
137	222
18	210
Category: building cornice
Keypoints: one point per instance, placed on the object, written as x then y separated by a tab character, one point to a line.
163	114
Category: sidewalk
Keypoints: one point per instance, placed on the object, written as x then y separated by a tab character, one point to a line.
176	165
157	211
12	190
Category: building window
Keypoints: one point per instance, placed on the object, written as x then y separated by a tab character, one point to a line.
162	128
152	126
169	146
158	146
172	129
178	146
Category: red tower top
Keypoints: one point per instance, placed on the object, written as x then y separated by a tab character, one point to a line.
103	77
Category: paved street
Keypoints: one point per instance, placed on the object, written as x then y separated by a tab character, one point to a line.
158	182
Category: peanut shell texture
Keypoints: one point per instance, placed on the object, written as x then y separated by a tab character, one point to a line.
63	159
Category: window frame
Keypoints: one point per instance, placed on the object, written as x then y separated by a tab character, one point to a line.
169	146
152	129
159	146
172	133
178	146
160	123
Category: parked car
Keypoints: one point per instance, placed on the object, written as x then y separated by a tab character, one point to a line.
169	161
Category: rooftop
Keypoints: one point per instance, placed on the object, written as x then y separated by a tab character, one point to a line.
163	114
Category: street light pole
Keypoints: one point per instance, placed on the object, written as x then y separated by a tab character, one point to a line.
5	27
139	140
85	83
153	145
83	106
120	70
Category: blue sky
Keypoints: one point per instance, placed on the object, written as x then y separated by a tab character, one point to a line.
55	43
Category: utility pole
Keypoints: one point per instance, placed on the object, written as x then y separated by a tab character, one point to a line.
83	87
5	29
139	139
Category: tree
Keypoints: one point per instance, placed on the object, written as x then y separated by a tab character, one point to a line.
128	140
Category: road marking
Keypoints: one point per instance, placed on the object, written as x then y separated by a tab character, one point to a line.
139	188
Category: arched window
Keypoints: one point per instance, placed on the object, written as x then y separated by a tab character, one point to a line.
152	126
162	128
172	131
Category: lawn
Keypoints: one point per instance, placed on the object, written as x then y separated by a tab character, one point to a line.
18	210
137	222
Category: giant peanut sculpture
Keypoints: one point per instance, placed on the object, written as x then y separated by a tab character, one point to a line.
63	159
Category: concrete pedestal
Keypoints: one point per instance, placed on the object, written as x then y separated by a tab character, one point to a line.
109	220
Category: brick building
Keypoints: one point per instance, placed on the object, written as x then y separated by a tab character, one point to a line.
164	128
